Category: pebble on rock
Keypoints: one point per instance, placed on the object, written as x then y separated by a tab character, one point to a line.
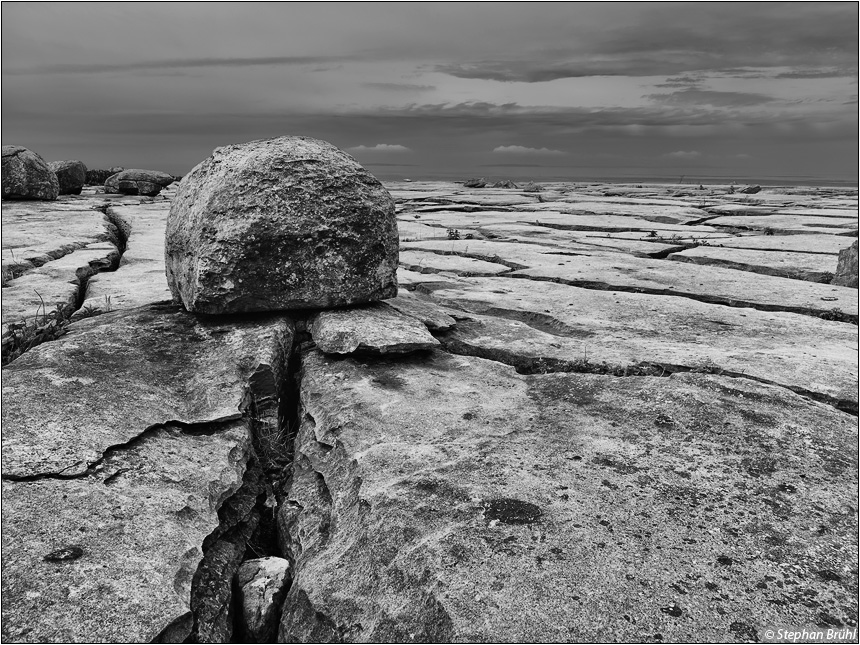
280	224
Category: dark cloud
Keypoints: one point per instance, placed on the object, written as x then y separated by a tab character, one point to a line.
399	87
177	63
695	96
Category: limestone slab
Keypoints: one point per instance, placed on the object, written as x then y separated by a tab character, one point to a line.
139	279
706	283
449	499
521	323
421	261
375	328
814	267
110	557
114	376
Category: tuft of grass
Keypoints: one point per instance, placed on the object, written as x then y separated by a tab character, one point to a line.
27	334
453	234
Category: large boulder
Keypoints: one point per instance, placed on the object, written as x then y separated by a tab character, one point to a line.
27	176
284	223
846	268
71	176
138	182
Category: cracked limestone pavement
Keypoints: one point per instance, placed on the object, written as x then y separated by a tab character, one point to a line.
436	495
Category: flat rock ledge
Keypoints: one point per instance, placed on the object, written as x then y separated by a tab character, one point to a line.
377	328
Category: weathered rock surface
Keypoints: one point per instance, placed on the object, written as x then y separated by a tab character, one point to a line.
375	328
286	223
71	176
110	557
846	268
705	283
814	267
116	375
532	187
138	182
139	279
448	499
262	585
475	183
27	176
507	183
433	316
547	327
55	284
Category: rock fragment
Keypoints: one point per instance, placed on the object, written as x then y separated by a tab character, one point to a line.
433	316
375	328
532	187
27	176
285	223
138	182
507	183
750	190
262	585
71	176
475	183
846	268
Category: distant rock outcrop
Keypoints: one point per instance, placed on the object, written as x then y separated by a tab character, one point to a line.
750	190
846	268
138	182
475	183
71	176
284	223
507	183
27	176
532	187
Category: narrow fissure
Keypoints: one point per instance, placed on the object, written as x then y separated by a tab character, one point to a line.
93	467
248	520
51	325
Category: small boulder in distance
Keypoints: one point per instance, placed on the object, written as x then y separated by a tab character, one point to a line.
750	190
71	176
475	183
138	182
847	267
280	224
98	176
27	176
532	187
507	183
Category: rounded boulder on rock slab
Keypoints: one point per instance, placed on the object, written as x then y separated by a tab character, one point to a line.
71	176
27	176
138	182
280	224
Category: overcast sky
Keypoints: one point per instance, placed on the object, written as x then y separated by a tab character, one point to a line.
444	90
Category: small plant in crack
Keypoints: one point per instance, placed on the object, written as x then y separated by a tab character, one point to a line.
834	314
45	326
453	234
826	278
